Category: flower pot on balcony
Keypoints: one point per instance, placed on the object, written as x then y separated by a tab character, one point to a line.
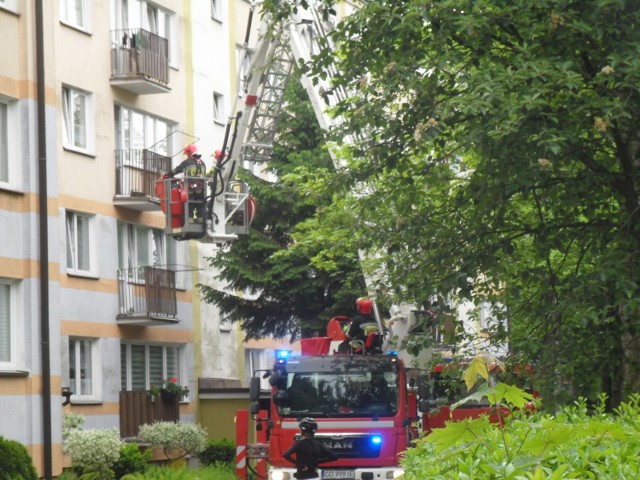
168	397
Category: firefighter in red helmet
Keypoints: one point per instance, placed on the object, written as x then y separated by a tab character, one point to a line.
194	168
363	317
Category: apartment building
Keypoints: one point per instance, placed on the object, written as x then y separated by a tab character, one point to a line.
101	303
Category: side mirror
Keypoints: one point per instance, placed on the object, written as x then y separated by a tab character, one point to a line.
254	389
254	408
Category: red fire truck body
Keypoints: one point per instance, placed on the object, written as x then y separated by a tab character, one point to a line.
364	407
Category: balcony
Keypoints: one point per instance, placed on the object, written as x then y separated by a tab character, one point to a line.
137	408
147	297
139	61
136	174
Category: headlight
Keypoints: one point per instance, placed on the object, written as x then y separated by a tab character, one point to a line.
395	474
279	475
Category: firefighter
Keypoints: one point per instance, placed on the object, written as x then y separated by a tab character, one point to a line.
362	321
193	166
308	451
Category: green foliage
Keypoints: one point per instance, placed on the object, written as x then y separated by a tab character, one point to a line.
499	163
209	473
93	452
293	286
176	439
218	451
15	461
571	444
132	460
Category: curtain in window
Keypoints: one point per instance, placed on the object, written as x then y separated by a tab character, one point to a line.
5	323
138	367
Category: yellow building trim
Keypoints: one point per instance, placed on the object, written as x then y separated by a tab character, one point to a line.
58	458
107	330
30	385
25	89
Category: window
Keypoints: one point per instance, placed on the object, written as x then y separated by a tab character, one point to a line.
10	160
484	315
144	365
215	10
8	4
218	107
134	14
83	367
75	13
79	243
77	111
137	130
7	321
243	60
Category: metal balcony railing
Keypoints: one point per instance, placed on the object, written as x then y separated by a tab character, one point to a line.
137	172
137	53
147	296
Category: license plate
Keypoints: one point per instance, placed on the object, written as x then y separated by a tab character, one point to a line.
338	474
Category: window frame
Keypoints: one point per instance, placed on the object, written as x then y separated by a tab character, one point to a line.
96	369
67	10
92	271
126	373
10	5
216	10
9	144
13	324
218	108
69	135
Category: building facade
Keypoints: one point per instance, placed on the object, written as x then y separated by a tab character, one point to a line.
100	303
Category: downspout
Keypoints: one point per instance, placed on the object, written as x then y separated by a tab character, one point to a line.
44	253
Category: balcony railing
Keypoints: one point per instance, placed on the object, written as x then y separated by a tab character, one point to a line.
139	61
137	172
138	407
147	296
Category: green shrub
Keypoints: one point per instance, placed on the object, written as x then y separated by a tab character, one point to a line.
218	451
573	443
15	461
132	460
174	438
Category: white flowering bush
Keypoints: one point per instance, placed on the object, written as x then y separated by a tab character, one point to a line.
174	438
71	421
93	450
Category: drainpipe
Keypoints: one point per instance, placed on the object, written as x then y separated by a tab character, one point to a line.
44	253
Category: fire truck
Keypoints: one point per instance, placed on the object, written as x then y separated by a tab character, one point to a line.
364	401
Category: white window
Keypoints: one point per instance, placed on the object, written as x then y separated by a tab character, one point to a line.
143	365
77	111
136	14
7	325
257	360
75	13
80	256
484	315
218	107
84	368
8	4
10	160
215	10
138	130
243	60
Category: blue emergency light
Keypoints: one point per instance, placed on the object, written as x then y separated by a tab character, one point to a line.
283	354
376	439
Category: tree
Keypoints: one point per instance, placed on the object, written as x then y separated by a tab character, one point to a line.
500	163
283	292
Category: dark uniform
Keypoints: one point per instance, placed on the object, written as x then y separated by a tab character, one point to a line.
309	452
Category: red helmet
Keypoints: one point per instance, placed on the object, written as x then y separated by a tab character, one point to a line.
190	150
364	305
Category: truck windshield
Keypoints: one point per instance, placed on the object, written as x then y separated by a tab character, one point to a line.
352	394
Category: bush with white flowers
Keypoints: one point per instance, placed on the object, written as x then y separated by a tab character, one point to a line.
93	450
174	438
